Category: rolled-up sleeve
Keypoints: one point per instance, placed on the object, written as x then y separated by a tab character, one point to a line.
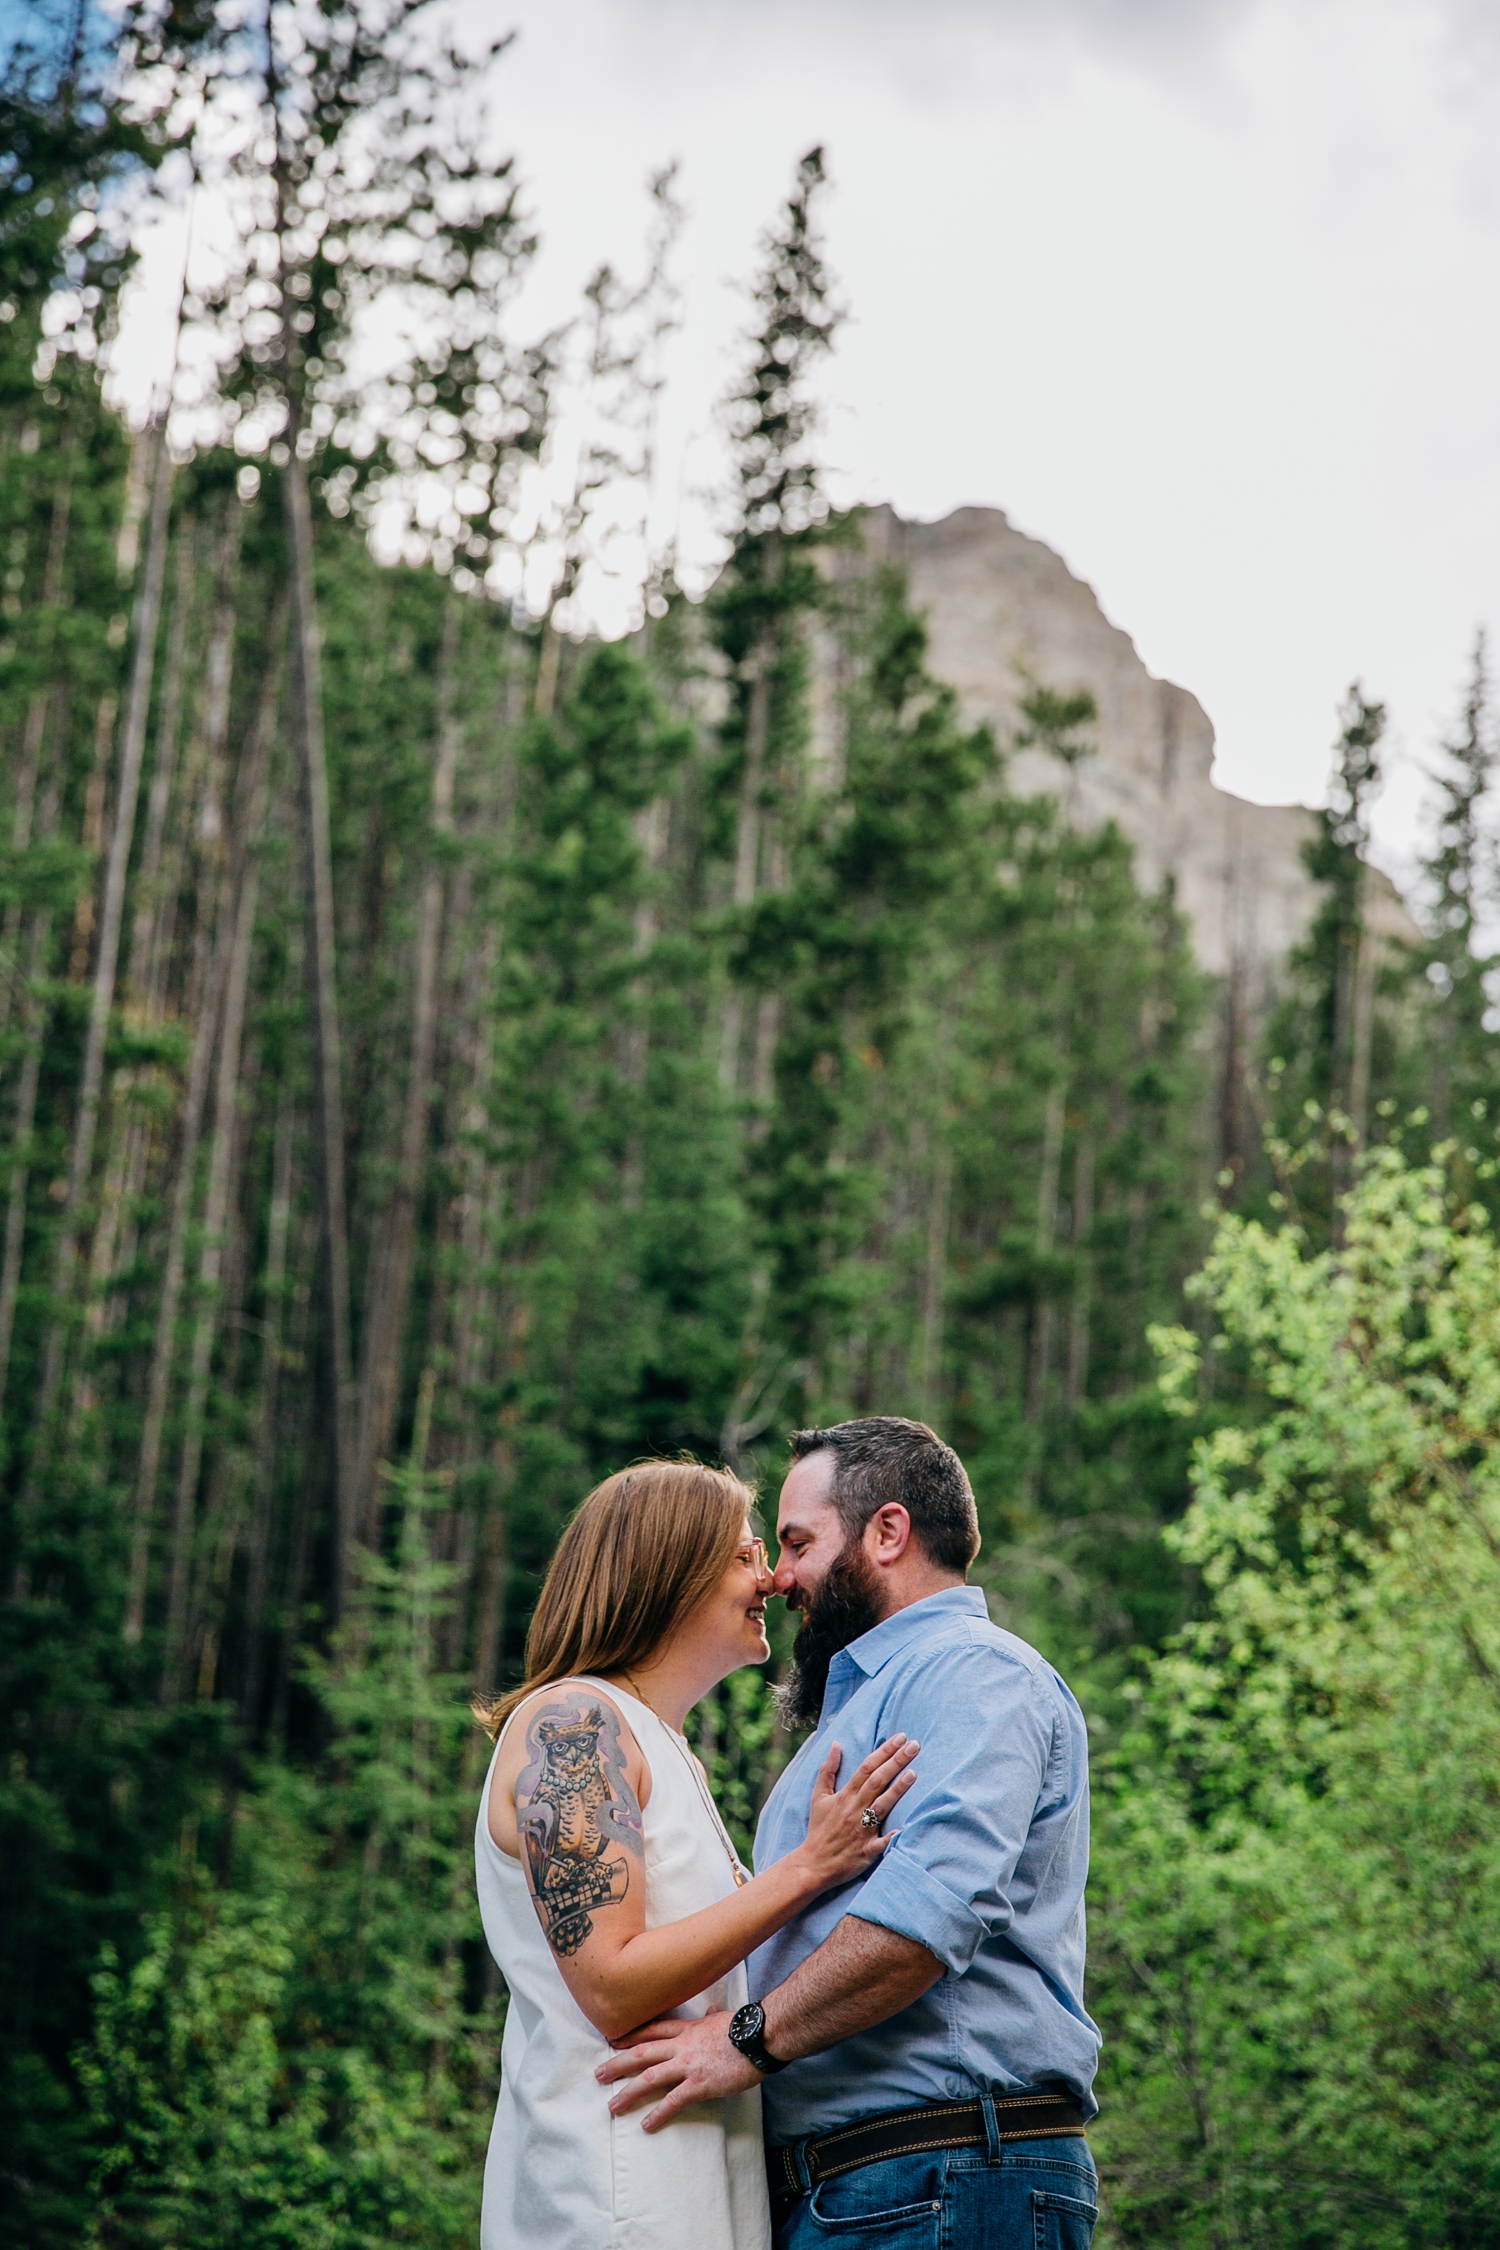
986	1732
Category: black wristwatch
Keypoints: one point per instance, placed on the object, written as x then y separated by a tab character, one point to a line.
747	2031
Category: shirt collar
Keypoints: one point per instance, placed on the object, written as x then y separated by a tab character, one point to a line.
883	1641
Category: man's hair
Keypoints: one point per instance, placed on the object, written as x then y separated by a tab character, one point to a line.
884	1458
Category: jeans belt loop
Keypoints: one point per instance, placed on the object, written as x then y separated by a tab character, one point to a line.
991	2130
801	2166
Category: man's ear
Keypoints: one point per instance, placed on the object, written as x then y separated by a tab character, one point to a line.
888	1534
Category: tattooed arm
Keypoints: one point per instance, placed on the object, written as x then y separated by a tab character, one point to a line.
579	1819
578	1803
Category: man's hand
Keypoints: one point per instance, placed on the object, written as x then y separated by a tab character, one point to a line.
686	2059
859	1976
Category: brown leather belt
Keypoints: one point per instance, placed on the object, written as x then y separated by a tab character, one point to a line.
913	2132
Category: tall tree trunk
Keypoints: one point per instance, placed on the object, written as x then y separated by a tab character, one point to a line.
157	887
222	1151
544	693
34	732
651	829
1083	1285
321	970
228	1478
148	611
303	1262
163	772
747	850
124	1166
91	836
1046	1239
38	937
390	1266
205	1016
274	1296
489	1607
935	1277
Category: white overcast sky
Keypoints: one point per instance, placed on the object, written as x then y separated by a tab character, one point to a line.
1205	293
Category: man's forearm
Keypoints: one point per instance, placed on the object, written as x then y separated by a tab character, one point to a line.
858	1977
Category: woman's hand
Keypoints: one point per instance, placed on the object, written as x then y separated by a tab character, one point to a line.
840	1844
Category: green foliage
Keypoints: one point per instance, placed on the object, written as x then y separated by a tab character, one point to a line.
1053	722
1296	1905
1341	1056
290	2056
1459	885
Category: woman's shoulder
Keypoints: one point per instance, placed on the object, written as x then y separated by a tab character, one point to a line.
568	1721
571	1734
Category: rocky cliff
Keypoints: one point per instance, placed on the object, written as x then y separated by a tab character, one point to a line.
1003	611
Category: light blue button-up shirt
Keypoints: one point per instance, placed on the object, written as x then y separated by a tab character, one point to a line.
986	1870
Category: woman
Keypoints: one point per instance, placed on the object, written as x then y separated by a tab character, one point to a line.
610	1890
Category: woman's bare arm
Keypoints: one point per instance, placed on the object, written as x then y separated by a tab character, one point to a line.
579	1819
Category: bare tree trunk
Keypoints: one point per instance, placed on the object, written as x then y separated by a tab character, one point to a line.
86	1119
651	829
206	1016
278	1227
544	695
25	1116
216	1208
1046	1237
934	1288
164	771
34	732
124	1166
321	968
228	1480
390	1266
1083	1286
91	836
489	1618
746	851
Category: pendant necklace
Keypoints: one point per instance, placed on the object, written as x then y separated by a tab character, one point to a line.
740	1873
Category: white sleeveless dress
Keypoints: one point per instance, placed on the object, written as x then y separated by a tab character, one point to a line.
561	2173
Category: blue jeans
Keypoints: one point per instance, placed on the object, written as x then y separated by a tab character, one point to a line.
1036	2195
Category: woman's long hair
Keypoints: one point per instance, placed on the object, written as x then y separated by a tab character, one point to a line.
643	1549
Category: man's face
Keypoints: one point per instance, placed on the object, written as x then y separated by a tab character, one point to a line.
828	1577
809	1529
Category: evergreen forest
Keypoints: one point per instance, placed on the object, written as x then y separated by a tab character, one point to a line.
445	1056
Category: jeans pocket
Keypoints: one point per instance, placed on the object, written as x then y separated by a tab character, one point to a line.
1061	2222
904	2226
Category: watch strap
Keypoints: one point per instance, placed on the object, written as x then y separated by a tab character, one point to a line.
747	2032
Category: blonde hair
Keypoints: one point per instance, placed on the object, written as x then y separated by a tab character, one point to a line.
643	1549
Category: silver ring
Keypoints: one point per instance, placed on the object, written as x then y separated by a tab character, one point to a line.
870	1819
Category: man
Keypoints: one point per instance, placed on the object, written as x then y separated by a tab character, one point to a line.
920	2033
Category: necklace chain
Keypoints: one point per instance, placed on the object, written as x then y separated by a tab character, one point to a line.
736	1867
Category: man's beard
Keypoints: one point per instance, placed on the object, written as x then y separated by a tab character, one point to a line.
834	1614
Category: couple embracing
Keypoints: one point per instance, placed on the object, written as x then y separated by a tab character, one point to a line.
877	2041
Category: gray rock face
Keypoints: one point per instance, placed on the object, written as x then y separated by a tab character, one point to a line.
1004	613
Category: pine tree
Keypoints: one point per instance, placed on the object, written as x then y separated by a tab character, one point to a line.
1330	1048
1459	872
772	583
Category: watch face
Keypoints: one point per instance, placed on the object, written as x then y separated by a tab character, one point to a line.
749	2022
